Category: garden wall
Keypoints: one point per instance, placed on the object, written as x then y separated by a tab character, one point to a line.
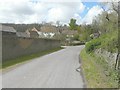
13	47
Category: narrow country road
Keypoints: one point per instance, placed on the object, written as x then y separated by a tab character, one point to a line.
55	70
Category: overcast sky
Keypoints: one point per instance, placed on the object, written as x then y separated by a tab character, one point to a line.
37	11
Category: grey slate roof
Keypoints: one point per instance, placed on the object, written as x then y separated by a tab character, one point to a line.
22	34
7	28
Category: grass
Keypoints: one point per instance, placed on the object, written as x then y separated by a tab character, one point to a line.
108	42
27	57
97	72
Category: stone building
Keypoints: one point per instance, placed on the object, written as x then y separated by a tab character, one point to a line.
7	31
49	31
34	33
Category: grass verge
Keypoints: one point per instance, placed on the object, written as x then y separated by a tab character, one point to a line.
97	72
27	57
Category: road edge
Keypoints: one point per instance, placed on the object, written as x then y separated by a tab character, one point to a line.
82	74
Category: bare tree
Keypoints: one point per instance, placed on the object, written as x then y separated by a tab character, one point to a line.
59	26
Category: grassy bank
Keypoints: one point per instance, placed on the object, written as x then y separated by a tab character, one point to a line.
97	72
27	57
108	42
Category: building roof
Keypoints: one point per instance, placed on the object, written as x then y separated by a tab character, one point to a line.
22	34
7	28
69	32
34	29
49	29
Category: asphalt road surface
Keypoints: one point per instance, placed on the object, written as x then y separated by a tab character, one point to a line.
55	70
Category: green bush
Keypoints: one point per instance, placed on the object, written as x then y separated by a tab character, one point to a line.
93	44
76	37
108	41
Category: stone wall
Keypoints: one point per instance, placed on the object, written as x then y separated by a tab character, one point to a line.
108	56
0	49
13	47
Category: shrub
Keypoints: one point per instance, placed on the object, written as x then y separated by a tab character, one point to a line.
76	37
93	44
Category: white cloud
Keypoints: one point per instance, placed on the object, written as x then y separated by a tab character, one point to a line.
65	11
100	0
55	14
58	1
29	11
94	11
78	18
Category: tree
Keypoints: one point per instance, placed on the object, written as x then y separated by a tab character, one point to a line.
59	26
95	25
85	32
79	29
72	24
58	23
108	23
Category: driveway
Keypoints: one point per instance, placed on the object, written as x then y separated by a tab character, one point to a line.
55	70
